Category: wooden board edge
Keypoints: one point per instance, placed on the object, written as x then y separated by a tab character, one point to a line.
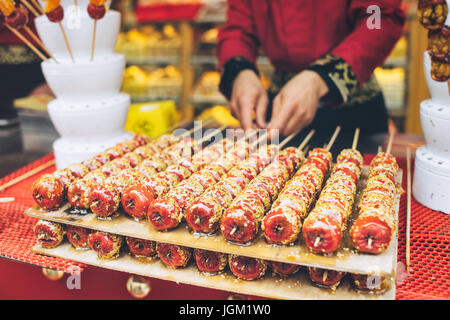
191	276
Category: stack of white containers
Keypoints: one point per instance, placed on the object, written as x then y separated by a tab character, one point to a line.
432	167
89	112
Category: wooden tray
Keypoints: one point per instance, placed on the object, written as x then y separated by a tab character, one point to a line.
346	259
296	287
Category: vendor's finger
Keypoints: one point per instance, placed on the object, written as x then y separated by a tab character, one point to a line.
295	124
246	106
280	117
261	111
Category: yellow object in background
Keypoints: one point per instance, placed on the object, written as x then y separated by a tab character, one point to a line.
220	115
151	118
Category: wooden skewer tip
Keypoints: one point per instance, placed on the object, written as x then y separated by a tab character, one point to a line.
27	174
390	142
333	138
325	275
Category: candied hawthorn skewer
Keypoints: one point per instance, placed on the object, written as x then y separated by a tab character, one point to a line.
107	245
167	212
206	211
78	236
325	278
282	224
323	228
247	268
51	200
136	199
210	262
173	256
49	234
105	198
79	192
141	248
241	221
373	229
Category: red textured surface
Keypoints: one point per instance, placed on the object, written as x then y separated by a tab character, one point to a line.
16	229
429	276
167	12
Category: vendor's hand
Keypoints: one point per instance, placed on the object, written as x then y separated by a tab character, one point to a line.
248	95
296	104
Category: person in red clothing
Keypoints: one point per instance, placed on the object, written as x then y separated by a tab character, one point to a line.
324	53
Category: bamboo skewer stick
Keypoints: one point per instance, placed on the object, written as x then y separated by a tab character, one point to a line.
27	174
380	149
287	139
30	7
408	209
333	138
66	40
317	241
305	151
307	139
389	146
93	40
355	139
324	276
38	41
38	6
26	41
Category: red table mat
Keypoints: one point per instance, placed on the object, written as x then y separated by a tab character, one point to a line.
429	276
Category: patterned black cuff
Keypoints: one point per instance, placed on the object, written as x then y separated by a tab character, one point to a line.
339	77
230	71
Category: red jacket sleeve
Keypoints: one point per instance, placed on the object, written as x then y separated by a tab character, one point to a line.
364	49
238	36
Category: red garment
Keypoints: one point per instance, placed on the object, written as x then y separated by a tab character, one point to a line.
7	37
295	33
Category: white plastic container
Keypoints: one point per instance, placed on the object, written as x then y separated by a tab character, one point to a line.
89	112
85	81
431	185
79	31
435	120
82	121
438	90
67	152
